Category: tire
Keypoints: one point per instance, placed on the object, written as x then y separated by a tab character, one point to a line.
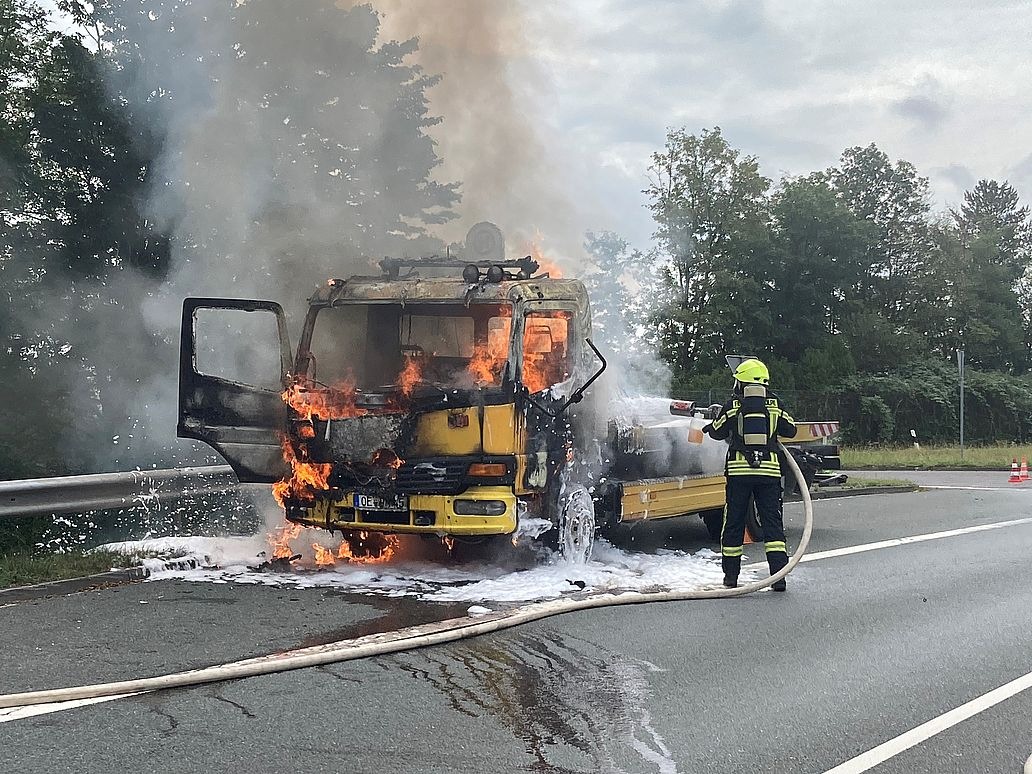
752	523
714	521
576	526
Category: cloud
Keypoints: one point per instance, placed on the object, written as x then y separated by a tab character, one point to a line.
941	84
924	110
956	174
1020	176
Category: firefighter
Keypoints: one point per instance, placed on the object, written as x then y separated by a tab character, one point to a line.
751	423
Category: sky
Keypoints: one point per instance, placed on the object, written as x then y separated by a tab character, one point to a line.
943	84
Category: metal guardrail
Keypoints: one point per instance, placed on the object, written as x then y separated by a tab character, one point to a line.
45	496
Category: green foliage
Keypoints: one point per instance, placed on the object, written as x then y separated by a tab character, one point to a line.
924	396
931	457
873	421
828	364
854	294
893	199
24	569
616	269
220	144
710	206
818	269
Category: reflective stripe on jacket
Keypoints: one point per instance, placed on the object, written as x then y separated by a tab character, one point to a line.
725	426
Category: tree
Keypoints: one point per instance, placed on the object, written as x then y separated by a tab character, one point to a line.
991	214
616	271
34	407
105	165
996	232
709	203
295	143
184	147
895	200
819	269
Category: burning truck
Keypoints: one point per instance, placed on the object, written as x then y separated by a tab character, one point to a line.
457	398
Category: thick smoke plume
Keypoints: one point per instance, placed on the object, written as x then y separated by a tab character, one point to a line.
301	141
294	148
493	138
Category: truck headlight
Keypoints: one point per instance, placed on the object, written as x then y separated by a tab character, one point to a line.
480	507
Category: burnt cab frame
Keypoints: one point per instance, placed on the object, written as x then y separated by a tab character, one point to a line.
242	422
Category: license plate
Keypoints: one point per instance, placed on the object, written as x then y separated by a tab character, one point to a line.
365	502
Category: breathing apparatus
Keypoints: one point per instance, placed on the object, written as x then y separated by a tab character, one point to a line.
755	438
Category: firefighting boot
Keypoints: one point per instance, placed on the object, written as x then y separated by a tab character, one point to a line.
731	566
776	560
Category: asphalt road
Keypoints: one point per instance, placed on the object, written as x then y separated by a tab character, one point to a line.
864	647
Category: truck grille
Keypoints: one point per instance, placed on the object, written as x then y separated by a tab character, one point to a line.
385	517
432	476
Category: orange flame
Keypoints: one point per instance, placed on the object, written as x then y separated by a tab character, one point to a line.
280	540
357	548
306	478
385	458
489	357
323	556
369	548
410	376
545	350
545	264
308	400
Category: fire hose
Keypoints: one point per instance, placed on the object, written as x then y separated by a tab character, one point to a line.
414	637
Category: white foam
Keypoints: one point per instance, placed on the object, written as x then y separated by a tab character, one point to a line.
611	569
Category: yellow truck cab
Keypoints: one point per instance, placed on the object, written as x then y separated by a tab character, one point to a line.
443	397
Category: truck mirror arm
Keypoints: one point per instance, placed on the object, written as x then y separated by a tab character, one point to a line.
578	394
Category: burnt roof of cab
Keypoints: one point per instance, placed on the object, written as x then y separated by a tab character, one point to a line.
443	289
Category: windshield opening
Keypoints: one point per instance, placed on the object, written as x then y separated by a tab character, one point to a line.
546	350
378	346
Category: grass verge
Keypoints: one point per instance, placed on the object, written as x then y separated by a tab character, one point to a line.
866	483
933	457
22	569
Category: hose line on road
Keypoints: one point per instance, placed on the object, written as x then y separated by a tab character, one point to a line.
414	637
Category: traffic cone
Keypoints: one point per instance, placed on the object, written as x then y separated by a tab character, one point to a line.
1015	476
1024	469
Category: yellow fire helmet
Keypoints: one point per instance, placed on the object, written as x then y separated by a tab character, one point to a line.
752	371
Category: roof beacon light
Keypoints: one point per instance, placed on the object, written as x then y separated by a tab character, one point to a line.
470	274
495	274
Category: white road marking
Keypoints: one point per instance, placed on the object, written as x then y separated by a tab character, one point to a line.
975	488
812	557
914	736
17	713
1028	766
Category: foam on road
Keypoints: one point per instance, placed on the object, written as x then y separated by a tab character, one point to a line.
523	577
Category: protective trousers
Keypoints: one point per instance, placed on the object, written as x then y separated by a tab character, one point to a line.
766	492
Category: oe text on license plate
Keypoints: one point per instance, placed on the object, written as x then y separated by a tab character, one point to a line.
366	502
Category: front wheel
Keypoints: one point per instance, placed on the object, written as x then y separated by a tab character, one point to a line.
576	526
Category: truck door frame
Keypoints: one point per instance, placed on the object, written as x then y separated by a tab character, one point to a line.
244	423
